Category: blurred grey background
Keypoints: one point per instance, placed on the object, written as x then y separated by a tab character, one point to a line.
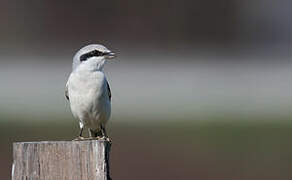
201	89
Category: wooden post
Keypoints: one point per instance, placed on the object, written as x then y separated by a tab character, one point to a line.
61	160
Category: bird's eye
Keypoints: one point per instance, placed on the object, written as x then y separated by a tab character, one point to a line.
83	57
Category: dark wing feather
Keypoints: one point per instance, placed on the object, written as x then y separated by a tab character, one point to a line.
109	91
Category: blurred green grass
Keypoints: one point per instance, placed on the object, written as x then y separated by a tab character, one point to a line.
216	147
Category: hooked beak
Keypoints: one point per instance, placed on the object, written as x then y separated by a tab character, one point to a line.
110	55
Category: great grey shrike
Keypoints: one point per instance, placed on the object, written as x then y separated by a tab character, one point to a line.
88	90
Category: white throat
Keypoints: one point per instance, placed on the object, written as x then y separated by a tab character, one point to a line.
92	64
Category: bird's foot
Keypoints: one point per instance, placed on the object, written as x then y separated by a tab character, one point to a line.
105	138
79	138
95	138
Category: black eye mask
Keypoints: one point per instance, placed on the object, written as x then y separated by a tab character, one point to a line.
94	53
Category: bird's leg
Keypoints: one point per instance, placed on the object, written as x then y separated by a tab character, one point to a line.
103	131
104	134
81	130
80	137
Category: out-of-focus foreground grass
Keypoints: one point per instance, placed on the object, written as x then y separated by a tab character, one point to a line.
177	149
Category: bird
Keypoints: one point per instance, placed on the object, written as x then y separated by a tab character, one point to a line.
88	90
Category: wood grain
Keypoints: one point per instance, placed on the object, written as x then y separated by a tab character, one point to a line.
64	160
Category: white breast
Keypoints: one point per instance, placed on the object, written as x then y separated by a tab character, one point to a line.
89	99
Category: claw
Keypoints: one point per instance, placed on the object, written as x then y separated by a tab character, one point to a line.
96	138
106	139
79	138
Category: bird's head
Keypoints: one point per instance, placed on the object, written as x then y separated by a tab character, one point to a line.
92	57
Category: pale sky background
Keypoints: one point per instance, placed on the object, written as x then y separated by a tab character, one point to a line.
177	59
169	89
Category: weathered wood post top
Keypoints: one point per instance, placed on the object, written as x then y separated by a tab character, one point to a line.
61	160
